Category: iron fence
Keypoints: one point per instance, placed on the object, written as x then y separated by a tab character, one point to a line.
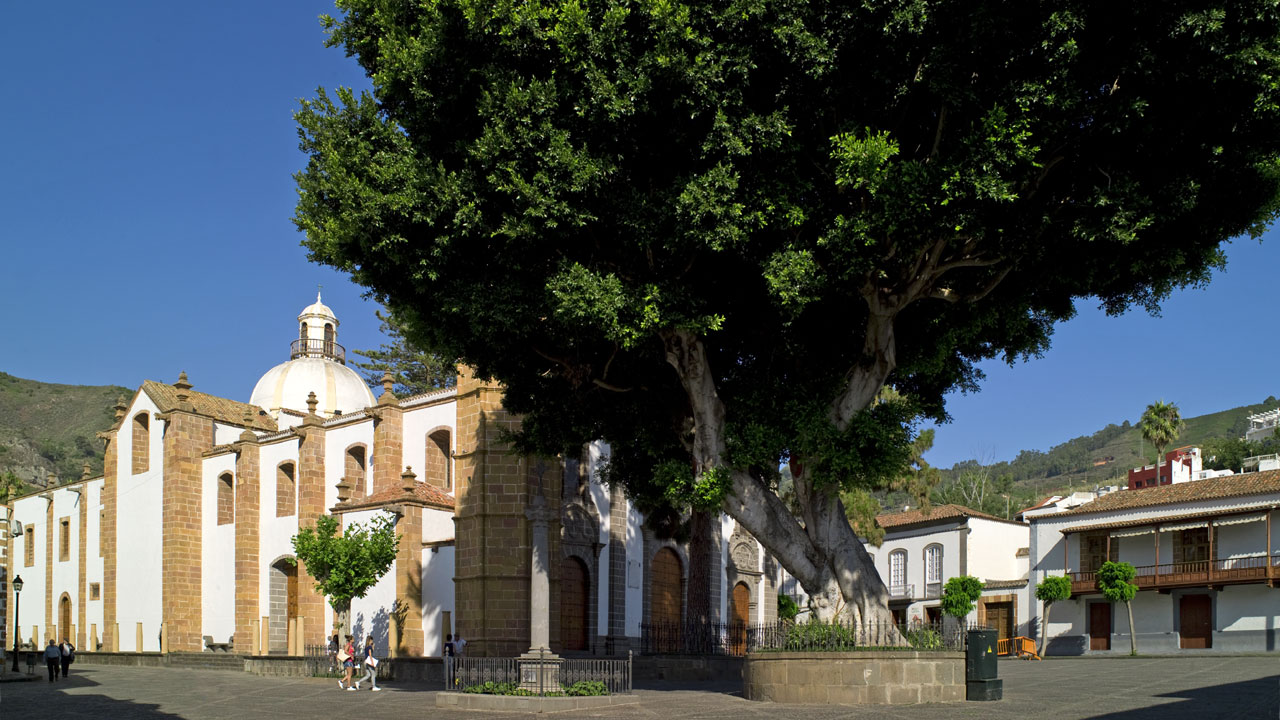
738	639
540	675
321	664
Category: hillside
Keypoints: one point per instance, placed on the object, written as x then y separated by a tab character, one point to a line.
1106	456
47	428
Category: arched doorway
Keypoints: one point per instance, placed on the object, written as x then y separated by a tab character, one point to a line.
64	618
666	600
739	618
282	604
574	595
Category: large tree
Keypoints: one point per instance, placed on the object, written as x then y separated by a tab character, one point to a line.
712	232
1161	424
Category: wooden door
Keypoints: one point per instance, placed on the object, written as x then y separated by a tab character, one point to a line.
1196	616
666	599
1000	617
291	574
1099	626
740	616
573	604
64	620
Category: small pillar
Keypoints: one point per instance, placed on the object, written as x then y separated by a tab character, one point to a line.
138	639
539	667
265	642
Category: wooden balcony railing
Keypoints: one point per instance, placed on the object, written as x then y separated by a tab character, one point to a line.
1225	571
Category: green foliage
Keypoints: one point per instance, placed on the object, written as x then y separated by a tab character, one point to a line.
1053	588
414	370
582	688
959	595
1161	424
925	638
11	486
827	198
346	565
816	636
1115	581
787	608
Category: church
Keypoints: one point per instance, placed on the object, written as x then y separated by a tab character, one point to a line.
184	543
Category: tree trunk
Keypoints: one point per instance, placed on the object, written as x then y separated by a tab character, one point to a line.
1133	632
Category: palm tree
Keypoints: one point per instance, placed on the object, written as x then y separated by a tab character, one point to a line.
1161	425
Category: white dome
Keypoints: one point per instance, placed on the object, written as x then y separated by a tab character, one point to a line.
337	387
317	309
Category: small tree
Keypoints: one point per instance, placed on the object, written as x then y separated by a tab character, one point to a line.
959	596
1115	580
346	565
1049	591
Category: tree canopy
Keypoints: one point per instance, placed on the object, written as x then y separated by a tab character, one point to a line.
1115	582
346	565
1161	424
1049	591
959	595
711	233
414	370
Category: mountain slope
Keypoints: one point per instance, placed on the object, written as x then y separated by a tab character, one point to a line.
49	428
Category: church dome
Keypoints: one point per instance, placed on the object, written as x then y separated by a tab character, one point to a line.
317	364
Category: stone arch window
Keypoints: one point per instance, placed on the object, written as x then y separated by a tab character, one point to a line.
286	490
933	571
226	499
897	572
439	465
354	469
141	443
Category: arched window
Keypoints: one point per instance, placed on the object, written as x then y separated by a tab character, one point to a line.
302	331
328	338
286	490
141	442
226	499
933	571
439	468
354	470
898	572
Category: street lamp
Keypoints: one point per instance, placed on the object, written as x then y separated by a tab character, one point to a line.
17	588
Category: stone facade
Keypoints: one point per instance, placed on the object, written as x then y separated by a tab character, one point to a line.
187	436
857	678
248	570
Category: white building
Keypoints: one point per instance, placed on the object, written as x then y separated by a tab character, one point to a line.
921	551
1206	559
185	541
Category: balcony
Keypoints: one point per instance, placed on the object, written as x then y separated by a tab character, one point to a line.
932	591
902	592
1167	576
310	347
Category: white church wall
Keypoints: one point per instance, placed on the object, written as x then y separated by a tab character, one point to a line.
336	441
66	573
417	423
437	596
597	452
224	434
274	533
217	550
139	544
371	614
635	572
31	513
437	525
93	570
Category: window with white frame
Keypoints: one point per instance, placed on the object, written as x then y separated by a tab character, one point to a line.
898	568
933	564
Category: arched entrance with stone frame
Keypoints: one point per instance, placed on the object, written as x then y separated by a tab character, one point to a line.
666	600
282	603
64	618
579	568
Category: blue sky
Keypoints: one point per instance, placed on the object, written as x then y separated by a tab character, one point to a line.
146	190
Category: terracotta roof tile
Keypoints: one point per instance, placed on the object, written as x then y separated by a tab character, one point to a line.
231	412
1166	519
938	512
1004	584
423	494
1220	487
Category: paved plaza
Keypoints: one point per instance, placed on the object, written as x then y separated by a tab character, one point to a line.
1142	688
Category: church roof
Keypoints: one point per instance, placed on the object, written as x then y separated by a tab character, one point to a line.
165	397
423	494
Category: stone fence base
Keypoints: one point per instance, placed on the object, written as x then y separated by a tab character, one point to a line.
855	678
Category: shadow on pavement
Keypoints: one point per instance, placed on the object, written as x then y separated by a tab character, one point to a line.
44	698
1258	698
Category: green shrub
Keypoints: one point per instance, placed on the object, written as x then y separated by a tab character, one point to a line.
787	608
821	636
924	639
586	687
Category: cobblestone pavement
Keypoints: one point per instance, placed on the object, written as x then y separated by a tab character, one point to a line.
1143	688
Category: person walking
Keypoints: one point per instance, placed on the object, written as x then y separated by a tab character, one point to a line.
68	655
370	664
347	656
52	659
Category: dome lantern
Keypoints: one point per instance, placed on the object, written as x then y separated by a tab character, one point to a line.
318	334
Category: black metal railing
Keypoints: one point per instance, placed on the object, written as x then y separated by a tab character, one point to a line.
738	639
540	675
322	664
310	347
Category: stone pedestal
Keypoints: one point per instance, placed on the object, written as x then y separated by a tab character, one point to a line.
540	672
